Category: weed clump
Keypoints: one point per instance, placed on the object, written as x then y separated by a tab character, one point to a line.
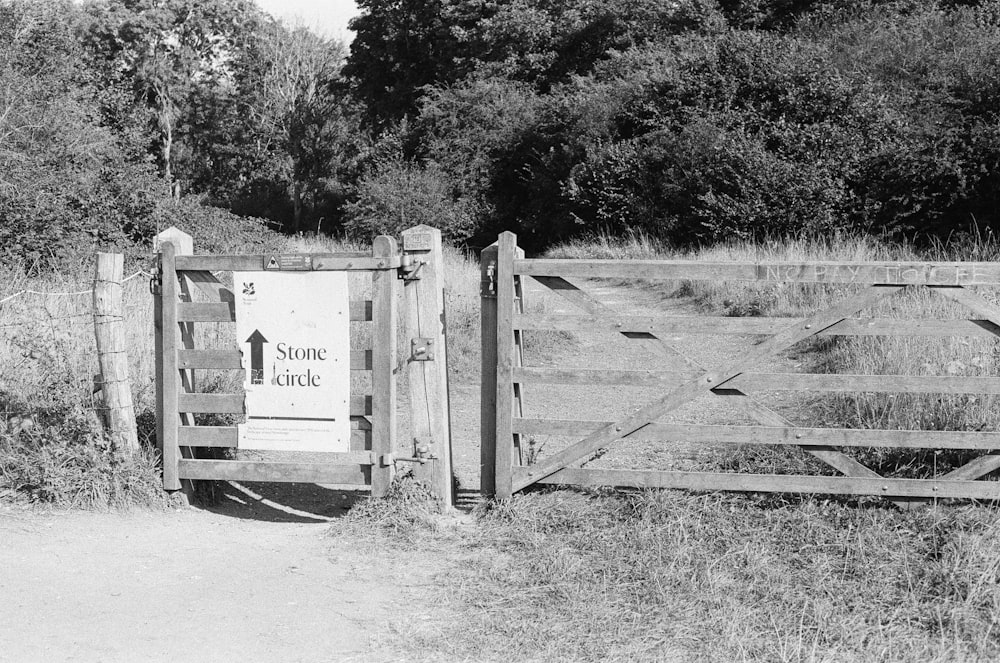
71	463
408	511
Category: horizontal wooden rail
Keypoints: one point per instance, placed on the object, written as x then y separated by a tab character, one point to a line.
360	311
728	434
779	483
756	382
226	437
736	326
319	262
233	404
238	470
888	273
361	360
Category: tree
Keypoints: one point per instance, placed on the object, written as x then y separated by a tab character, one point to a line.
169	50
297	116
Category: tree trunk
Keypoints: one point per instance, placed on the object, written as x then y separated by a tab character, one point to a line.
297	205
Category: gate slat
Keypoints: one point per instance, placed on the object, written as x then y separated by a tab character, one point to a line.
757	382
239	470
782	483
226	437
729	326
780	435
202	403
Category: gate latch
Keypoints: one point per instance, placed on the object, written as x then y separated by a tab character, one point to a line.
488	287
409	270
422	349
423	451
155	281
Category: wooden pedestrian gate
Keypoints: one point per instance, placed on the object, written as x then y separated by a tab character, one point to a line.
507	419
188	292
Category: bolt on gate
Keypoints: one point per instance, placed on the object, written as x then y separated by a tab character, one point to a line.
679	379
357	362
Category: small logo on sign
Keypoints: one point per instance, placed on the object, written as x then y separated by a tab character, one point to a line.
248	289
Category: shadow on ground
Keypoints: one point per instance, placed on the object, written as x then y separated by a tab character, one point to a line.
276	502
291	502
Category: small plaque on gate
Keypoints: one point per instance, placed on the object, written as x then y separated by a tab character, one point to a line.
288	262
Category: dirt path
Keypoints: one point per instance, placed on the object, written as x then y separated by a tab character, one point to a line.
236	584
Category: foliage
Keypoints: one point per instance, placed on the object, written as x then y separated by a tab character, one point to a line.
395	194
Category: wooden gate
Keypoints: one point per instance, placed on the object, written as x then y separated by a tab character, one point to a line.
506	378
184	279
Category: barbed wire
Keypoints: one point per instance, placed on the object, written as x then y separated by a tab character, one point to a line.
28	291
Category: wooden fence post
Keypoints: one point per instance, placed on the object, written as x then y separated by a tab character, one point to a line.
488	372
112	356
170	243
430	426
505	362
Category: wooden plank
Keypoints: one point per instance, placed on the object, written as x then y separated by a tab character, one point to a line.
519	395
384	404
778	435
488	372
634	324
836	383
216	359
226	437
694	388
506	251
170	378
256	263
202	403
764	382
361	360
236	470
208	436
206	312
781	483
884	273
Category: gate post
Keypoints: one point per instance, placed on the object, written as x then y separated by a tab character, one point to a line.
423	287
488	371
505	361
384	290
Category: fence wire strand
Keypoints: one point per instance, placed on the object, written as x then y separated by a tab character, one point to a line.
28	291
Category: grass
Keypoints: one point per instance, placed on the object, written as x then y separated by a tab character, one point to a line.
670	576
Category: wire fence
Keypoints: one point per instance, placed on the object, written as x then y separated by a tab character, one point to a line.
28	291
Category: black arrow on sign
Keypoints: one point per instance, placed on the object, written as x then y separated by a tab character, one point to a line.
256	342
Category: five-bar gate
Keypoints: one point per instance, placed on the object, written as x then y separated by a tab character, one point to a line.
506	379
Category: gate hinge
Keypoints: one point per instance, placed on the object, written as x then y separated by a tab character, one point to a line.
488	286
421	349
409	269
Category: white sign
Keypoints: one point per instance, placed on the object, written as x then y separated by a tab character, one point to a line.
295	335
